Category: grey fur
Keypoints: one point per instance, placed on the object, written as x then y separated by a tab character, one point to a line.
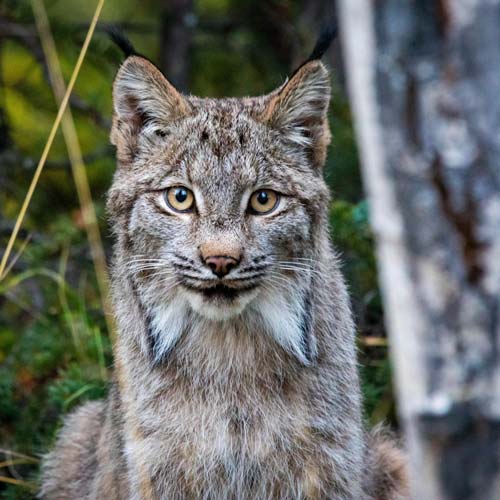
252	398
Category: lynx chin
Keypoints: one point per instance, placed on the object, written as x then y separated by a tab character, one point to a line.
235	366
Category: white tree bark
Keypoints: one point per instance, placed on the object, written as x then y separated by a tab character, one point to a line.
424	79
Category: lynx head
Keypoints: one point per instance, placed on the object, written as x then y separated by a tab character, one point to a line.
218	203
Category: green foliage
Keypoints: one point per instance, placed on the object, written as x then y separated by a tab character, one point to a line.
351	230
75	385
352	237
377	388
53	348
342	172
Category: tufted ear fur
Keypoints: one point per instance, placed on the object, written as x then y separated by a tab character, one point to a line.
142	96
299	110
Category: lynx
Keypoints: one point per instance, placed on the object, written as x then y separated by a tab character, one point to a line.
235	365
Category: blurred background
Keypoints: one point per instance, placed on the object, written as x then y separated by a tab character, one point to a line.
55	349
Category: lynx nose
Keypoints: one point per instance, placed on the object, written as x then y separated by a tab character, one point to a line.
221	264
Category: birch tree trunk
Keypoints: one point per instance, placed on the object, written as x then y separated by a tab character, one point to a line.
424	79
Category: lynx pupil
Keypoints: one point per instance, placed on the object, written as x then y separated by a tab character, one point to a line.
263	198
181	195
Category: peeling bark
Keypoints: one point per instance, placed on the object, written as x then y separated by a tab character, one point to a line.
424	79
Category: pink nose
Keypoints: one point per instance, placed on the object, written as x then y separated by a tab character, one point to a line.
221	264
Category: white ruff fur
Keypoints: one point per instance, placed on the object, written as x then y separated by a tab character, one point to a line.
168	322
278	313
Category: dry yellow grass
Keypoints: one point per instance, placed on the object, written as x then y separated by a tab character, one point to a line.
64	103
76	159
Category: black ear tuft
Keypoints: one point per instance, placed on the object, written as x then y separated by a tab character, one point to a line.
118	37
326	37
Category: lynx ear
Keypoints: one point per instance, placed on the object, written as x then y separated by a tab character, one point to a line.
142	96
299	109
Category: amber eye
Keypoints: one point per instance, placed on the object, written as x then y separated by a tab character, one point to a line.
263	201
179	199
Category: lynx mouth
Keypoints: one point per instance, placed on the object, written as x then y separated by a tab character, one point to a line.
220	301
222	292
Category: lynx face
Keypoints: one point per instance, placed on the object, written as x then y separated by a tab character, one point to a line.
216	202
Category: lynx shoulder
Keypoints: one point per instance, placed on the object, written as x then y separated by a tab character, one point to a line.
235	362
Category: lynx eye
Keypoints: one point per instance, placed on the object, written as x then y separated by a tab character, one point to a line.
179	199
263	201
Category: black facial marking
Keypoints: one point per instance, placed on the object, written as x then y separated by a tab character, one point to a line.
161	211
185	259
151	337
128	242
204	136
258	258
253	268
187	267
195	277
305	326
286	210
253	276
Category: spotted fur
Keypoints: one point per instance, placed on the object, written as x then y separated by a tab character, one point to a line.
250	395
